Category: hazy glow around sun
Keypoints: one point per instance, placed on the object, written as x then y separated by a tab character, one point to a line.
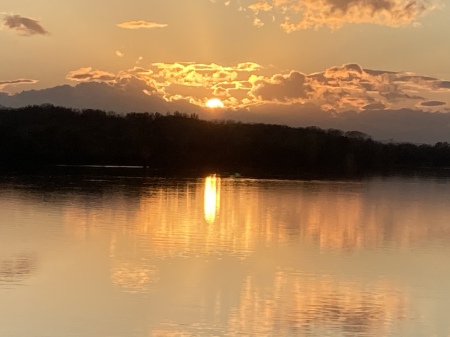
214	103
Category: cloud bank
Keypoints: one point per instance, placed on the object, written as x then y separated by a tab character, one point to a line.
24	26
248	84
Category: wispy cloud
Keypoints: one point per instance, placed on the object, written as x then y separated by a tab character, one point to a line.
140	24
20	81
24	26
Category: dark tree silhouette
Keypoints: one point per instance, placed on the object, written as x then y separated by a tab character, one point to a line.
47	135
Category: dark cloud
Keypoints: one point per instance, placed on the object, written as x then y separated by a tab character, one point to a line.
25	26
283	88
443	84
394	96
432	103
19	81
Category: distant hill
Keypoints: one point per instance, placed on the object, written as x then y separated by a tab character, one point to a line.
94	95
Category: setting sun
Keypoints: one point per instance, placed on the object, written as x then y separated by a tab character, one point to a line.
214	103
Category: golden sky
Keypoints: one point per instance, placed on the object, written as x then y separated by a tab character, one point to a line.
330	56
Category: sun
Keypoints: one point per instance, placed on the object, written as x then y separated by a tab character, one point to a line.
214	103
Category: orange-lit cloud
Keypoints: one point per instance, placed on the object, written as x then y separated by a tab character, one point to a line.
24	26
89	75
260	6
140	24
197	82
349	87
294	15
336	13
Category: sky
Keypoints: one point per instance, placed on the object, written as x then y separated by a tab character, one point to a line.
377	66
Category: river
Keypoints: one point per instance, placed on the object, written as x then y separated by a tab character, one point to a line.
124	256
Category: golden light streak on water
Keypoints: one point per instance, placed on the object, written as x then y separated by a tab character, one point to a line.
212	198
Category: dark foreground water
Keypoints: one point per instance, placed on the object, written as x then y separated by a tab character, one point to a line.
134	257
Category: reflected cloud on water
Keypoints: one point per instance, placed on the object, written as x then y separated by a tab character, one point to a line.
16	269
311	305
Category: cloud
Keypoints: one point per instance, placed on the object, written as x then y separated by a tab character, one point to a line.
296	15
24	26
443	84
349	87
283	88
260	6
20	81
90	75
248	84
336	13
119	53
432	103
197	82
140	24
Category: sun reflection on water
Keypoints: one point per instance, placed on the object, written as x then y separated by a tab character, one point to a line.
212	198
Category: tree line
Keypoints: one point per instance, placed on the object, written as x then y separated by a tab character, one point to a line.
47	135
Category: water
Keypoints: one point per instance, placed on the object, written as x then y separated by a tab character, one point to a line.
132	257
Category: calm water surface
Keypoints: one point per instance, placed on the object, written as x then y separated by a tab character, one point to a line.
133	257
